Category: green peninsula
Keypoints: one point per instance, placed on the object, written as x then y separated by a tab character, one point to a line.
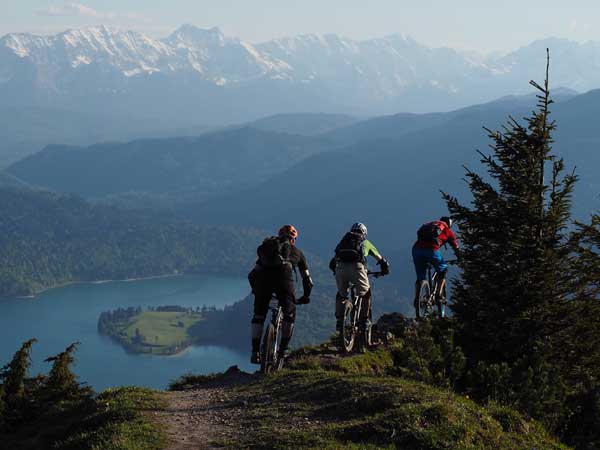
159	331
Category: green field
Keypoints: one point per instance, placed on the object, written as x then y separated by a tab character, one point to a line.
158	332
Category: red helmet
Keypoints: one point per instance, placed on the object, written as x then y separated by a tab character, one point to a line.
289	231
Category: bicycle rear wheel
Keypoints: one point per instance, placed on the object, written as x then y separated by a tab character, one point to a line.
422	307
268	355
348	331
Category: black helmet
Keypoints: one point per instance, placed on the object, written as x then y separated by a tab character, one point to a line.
447	220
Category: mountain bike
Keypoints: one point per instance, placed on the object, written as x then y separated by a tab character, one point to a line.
352	313
427	298
270	360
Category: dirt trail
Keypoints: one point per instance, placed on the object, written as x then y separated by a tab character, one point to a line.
200	418
205	415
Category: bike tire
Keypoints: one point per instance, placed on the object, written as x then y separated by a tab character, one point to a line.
422	306
441	304
348	331
267	361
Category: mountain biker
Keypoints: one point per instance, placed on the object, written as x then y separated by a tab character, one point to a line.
278	257
349	265
431	237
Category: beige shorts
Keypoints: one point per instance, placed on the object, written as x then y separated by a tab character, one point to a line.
346	273
355	273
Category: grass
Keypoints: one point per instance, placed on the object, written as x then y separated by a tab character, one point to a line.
117	419
164	332
352	403
120	421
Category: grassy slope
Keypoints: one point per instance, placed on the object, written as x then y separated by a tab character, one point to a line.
118	419
352	403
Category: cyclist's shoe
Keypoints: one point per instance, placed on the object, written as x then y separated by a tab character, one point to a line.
416	305
255	358
283	354
361	347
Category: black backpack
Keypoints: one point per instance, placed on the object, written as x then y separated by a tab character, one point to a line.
273	252
351	248
429	232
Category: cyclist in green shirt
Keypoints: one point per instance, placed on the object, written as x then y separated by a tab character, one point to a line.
350	266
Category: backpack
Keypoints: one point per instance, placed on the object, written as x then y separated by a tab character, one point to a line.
273	252
351	248
429	232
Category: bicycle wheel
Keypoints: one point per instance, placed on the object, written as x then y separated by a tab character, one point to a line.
268	355
441	303
277	359
348	332
423	307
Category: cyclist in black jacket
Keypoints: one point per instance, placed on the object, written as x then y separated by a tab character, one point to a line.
273	273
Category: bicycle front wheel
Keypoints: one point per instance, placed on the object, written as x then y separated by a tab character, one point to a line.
422	307
267	360
441	303
348	332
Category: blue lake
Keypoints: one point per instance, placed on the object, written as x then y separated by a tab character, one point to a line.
64	315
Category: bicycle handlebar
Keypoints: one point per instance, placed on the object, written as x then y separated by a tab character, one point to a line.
376	274
297	301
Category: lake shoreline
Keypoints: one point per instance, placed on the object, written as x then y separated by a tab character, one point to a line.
124	280
71	283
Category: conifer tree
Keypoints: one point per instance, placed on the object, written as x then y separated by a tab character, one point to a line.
14	377
515	241
527	303
2	407
61	385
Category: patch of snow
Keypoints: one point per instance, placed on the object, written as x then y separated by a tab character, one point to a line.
16	44
132	73
81	59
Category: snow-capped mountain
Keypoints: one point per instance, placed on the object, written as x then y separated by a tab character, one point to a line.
208	53
220	58
218	78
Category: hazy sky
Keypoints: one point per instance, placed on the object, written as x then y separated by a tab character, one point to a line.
466	24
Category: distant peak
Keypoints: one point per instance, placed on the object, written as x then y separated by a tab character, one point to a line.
192	31
101	29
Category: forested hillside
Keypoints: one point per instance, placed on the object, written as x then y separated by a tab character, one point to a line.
178	170
47	239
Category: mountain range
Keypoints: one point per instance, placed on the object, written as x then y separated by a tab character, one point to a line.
201	76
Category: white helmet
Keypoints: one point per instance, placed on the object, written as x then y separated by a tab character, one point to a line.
359	228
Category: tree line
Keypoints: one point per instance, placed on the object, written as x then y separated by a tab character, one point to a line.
48	239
